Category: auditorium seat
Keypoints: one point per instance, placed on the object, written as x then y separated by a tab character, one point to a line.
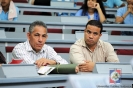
63	52
37	13
9	49
115	33
52	30
61	49
74	30
20	1
124	52
79	3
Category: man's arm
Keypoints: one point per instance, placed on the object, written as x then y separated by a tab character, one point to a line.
53	56
21	53
76	55
87	66
120	17
110	54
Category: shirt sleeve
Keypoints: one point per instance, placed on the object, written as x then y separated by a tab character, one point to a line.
54	56
118	2
110	54
20	53
119	12
79	13
76	55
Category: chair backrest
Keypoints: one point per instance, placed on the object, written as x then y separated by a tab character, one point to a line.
63	52
21	1
61	49
51	30
124	52
9	49
115	33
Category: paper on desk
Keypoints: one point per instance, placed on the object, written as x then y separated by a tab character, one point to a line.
45	70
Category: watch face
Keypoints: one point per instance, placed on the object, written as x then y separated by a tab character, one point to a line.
115	76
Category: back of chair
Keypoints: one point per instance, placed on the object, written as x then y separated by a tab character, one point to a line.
2	59
115	33
9	49
52	30
61	49
124	52
63	52
8	53
20	1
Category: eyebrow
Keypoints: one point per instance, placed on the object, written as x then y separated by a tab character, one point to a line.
92	32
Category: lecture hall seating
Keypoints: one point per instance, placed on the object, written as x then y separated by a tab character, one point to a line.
20	1
57	49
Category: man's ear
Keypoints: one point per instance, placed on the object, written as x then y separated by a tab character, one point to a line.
28	35
84	30
100	34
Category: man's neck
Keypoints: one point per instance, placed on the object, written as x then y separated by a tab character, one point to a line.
5	8
92	48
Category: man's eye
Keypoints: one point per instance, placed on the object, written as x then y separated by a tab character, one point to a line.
88	32
36	35
44	36
95	34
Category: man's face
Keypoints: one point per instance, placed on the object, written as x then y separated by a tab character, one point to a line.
92	35
37	38
130	2
5	3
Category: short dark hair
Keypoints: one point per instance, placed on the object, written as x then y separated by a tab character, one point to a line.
95	23
36	23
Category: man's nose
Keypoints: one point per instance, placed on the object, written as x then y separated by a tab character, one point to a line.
40	39
91	35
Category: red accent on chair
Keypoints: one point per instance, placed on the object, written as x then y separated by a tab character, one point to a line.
79	3
61	49
51	30
20	1
124	52
115	33
9	49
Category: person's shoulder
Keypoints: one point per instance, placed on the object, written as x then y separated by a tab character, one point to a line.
122	8
104	43
79	42
79	12
20	45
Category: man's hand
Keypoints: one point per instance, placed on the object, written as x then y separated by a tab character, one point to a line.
87	66
77	69
44	61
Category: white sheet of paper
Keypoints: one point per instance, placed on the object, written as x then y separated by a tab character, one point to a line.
45	70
